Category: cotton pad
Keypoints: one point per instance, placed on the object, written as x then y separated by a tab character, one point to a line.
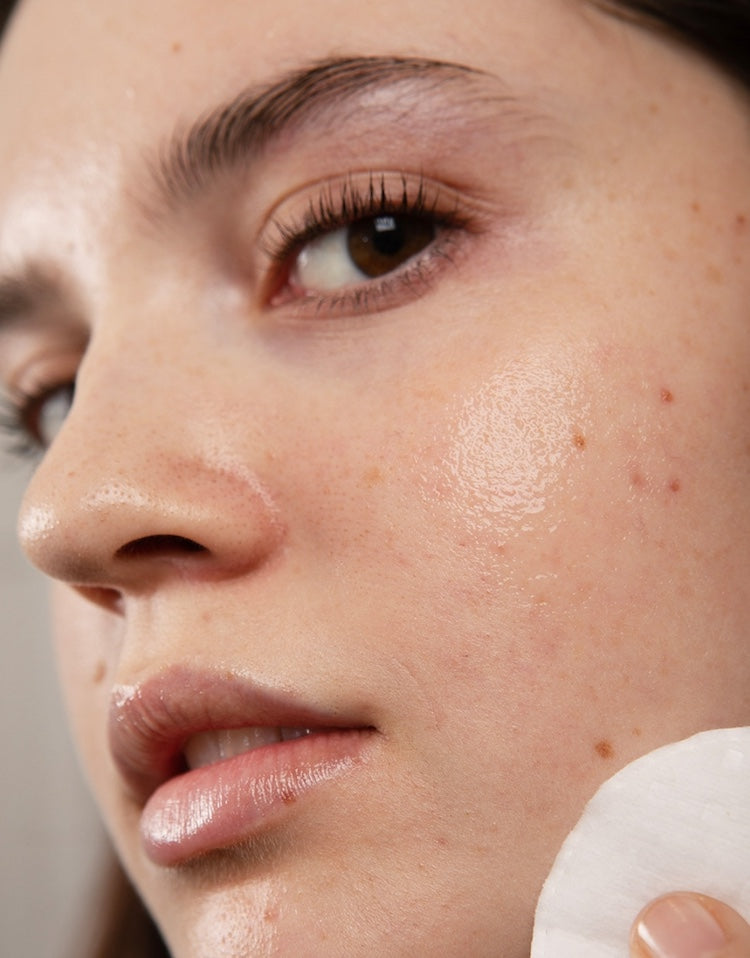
677	819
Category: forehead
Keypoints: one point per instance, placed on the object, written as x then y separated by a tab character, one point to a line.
87	89
127	65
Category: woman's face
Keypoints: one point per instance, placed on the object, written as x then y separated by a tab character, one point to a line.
412	407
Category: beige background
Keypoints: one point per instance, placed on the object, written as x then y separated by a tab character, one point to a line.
51	841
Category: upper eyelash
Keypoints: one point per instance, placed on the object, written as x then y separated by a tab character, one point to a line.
20	440
343	203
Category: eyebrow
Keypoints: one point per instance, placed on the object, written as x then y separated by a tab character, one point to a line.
238	130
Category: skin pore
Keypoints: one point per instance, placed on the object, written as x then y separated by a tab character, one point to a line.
489	507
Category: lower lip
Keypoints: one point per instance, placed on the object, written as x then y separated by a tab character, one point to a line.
232	800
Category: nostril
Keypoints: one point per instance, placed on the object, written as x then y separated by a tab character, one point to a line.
159	545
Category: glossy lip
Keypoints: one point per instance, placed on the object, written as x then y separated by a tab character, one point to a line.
191	812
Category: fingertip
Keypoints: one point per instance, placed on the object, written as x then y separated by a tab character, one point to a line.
689	925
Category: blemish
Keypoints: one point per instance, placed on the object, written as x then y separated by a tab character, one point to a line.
373	476
675	485
695	206
579	440
637	480
667	395
177	47
637	732
604	749
100	670
714	274
740	221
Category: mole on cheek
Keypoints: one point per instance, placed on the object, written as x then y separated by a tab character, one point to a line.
604	749
579	440
667	396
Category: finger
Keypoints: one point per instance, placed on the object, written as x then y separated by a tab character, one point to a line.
687	925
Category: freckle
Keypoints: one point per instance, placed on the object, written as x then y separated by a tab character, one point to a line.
579	440
653	109
675	485
604	749
176	47
740	221
637	732
637	480
100	670
714	274
666	396
695	206
372	476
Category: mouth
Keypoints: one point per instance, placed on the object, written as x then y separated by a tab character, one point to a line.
215	745
213	762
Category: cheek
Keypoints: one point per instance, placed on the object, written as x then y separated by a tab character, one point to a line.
505	448
594	502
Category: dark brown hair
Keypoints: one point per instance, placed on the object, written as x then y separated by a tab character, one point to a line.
718	28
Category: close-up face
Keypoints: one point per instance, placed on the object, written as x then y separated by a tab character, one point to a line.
403	495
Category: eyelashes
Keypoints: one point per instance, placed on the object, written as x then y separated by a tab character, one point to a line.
362	243
349	246
30	420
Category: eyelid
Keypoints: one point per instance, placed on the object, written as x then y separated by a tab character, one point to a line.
327	205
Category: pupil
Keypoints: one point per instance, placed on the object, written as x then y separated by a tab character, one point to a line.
380	244
387	238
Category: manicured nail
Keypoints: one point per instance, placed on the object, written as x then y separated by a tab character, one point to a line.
680	927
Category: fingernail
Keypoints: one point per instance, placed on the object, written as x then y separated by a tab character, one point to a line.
680	927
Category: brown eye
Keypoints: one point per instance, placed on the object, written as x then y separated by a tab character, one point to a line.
381	244
366	249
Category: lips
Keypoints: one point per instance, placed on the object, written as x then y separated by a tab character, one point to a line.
214	760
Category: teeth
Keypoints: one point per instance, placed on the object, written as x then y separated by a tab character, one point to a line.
287	734
205	748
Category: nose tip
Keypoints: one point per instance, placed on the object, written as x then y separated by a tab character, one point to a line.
189	519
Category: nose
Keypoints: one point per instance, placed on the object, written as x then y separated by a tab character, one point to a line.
128	498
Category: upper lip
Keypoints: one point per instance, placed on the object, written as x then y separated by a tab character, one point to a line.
149	723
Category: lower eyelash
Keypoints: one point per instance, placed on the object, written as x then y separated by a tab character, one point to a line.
404	284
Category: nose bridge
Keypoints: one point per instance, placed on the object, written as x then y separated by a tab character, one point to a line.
142	482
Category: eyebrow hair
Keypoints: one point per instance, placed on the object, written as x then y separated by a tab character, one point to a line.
238	130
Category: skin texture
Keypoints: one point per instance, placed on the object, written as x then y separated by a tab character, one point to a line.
498	514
